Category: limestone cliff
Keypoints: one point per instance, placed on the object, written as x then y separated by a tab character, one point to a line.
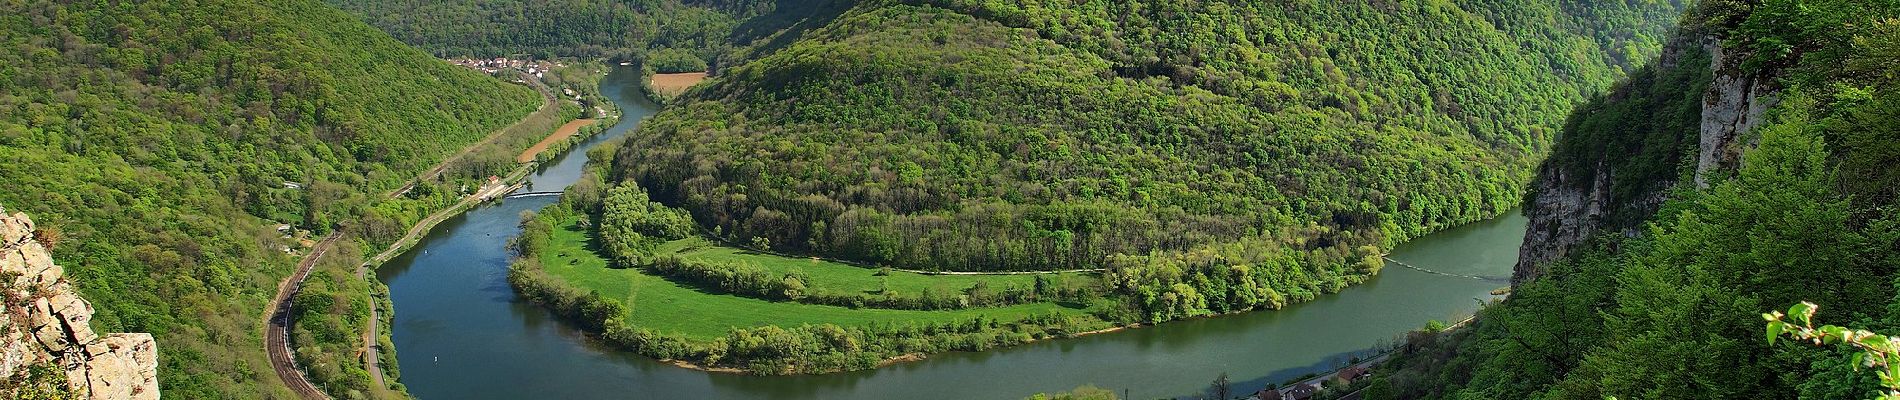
1570	205
43	321
1733	106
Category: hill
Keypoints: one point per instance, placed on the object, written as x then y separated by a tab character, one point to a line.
1182	161
667	35
1749	169
950	135
160	144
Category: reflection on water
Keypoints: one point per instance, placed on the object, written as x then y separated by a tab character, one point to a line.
461	334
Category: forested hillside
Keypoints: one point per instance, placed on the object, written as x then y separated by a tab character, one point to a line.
1299	139
667	35
158	145
1806	213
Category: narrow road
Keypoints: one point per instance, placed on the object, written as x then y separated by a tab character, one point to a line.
277	323
372	354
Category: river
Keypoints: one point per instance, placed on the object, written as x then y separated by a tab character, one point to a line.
461	333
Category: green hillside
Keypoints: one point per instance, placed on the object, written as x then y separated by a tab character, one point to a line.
1676	312
1033	136
669	35
155	140
1194	161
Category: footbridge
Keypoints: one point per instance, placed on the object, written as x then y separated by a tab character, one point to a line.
1435	272
531	194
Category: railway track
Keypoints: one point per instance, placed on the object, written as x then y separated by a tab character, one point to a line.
277	327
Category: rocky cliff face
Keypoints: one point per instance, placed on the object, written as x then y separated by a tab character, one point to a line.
44	321
1568	208
1731	108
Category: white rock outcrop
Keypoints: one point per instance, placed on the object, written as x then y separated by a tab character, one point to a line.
44	321
1733	106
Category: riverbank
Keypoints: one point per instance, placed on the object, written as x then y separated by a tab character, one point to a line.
696	314
702	302
894	360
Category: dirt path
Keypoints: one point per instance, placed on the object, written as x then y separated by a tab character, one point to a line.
277	321
567	130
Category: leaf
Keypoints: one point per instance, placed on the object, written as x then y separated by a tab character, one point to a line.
1774	330
1801	312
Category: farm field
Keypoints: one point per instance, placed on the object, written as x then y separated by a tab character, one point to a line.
674	84
668	307
845	278
566	130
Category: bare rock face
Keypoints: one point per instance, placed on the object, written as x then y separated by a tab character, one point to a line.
1733	106
44	321
1561	216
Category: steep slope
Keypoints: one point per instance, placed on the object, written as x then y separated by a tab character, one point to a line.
669	35
158	144
43	326
1618	156
1749	170
1031	136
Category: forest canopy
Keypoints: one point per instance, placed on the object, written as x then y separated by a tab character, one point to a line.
1676	311
162	143
954	135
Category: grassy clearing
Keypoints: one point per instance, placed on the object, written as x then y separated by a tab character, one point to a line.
846	278
656	303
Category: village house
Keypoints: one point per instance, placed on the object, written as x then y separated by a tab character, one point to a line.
1351	374
1303	392
1268	394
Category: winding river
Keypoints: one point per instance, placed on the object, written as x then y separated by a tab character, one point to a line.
460	333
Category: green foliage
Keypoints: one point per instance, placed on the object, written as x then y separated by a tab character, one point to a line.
1084	392
43	381
158	137
666	35
1671	314
631	226
667	61
1294	140
1639	137
1880	353
757	336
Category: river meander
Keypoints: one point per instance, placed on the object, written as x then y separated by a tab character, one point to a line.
460	332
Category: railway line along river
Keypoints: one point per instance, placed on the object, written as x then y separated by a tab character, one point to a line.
460	332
